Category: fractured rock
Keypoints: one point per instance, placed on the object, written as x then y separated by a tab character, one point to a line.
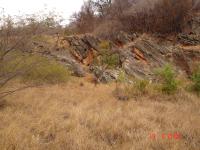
142	57
83	47
189	39
104	75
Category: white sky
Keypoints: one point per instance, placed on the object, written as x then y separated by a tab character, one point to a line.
19	7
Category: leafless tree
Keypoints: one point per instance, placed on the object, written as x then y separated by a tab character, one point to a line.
162	16
84	20
17	36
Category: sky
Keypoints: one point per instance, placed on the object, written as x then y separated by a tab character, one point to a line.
65	8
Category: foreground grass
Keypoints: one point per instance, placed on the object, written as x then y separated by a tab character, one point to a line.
73	117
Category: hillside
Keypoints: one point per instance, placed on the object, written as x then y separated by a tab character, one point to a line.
85	114
123	75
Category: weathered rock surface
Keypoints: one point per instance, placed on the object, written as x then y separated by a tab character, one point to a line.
142	57
189	39
82	48
139	56
104	75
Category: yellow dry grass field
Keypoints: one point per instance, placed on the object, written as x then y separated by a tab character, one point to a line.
81	116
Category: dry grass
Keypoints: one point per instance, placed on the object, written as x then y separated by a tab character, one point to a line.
74	117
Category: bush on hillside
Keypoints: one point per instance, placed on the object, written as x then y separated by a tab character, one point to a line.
196	80
106	57
46	71
167	76
32	68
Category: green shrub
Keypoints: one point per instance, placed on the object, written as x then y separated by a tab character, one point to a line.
104	45
122	77
32	68
14	63
196	80
46	71
106	57
111	60
169	84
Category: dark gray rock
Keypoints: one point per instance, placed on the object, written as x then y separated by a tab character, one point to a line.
142	57
81	46
189	39
104	75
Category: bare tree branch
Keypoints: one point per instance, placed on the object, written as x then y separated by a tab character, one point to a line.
7	93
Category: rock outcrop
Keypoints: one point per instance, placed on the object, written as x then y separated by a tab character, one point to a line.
104	75
189	39
83	48
142	57
139	55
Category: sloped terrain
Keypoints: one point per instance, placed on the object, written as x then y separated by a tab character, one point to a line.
139	55
83	116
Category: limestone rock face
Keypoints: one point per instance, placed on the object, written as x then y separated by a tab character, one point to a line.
83	47
139	56
142	57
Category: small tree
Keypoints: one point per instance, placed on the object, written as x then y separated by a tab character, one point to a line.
167	76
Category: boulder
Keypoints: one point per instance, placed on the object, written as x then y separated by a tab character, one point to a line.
189	39
104	75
